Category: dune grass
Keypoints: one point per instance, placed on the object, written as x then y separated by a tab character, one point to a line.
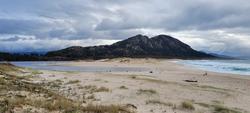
187	105
159	102
73	82
146	91
40	96
219	108
123	87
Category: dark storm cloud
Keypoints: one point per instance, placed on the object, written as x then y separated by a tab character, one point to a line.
201	23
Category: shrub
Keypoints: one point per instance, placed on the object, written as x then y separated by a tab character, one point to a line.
146	91
187	105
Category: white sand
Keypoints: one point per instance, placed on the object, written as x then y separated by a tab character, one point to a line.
167	79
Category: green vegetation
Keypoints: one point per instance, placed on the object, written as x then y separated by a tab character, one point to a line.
93	89
55	84
102	89
64	105
217	102
35	72
7	67
91	97
105	109
222	109
17	92
123	87
187	105
133	77
218	108
204	105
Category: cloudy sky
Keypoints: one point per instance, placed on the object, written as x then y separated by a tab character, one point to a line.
219	26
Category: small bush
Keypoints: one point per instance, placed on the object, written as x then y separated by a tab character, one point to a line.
91	97
133	77
222	109
158	102
73	81
187	105
146	91
35	72
123	87
105	109
102	89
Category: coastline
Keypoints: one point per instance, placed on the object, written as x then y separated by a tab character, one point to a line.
160	89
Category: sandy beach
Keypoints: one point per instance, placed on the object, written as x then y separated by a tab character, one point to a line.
165	87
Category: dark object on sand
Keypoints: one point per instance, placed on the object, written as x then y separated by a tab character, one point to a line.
191	80
150	71
131	105
205	74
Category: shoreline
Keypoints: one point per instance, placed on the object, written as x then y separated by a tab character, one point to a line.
162	88
176	61
215	72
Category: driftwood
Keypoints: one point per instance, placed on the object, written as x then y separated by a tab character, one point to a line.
131	105
191	80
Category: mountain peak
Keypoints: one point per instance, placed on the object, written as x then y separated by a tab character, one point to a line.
161	46
138	37
134	40
163	37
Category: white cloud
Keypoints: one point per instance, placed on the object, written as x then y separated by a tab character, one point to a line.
219	26
43	45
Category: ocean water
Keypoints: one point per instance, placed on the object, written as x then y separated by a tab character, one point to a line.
223	66
57	66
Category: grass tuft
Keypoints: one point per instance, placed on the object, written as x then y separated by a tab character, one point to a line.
222	109
123	87
187	105
159	102
73	81
146	91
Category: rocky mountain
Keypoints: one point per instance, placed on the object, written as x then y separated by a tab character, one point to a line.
139	46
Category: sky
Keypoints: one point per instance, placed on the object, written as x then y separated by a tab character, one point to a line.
213	26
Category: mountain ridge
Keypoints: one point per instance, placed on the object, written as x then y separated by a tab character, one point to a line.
139	46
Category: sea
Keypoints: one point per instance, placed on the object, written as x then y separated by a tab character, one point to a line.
241	67
59	66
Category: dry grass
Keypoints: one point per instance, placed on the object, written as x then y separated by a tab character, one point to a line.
55	84
73	82
35	72
91	97
146	91
219	108
159	102
222	109
7	67
192	86
203	104
187	105
64	105
93	89
133	77
105	109
41	97
102	89
123	87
